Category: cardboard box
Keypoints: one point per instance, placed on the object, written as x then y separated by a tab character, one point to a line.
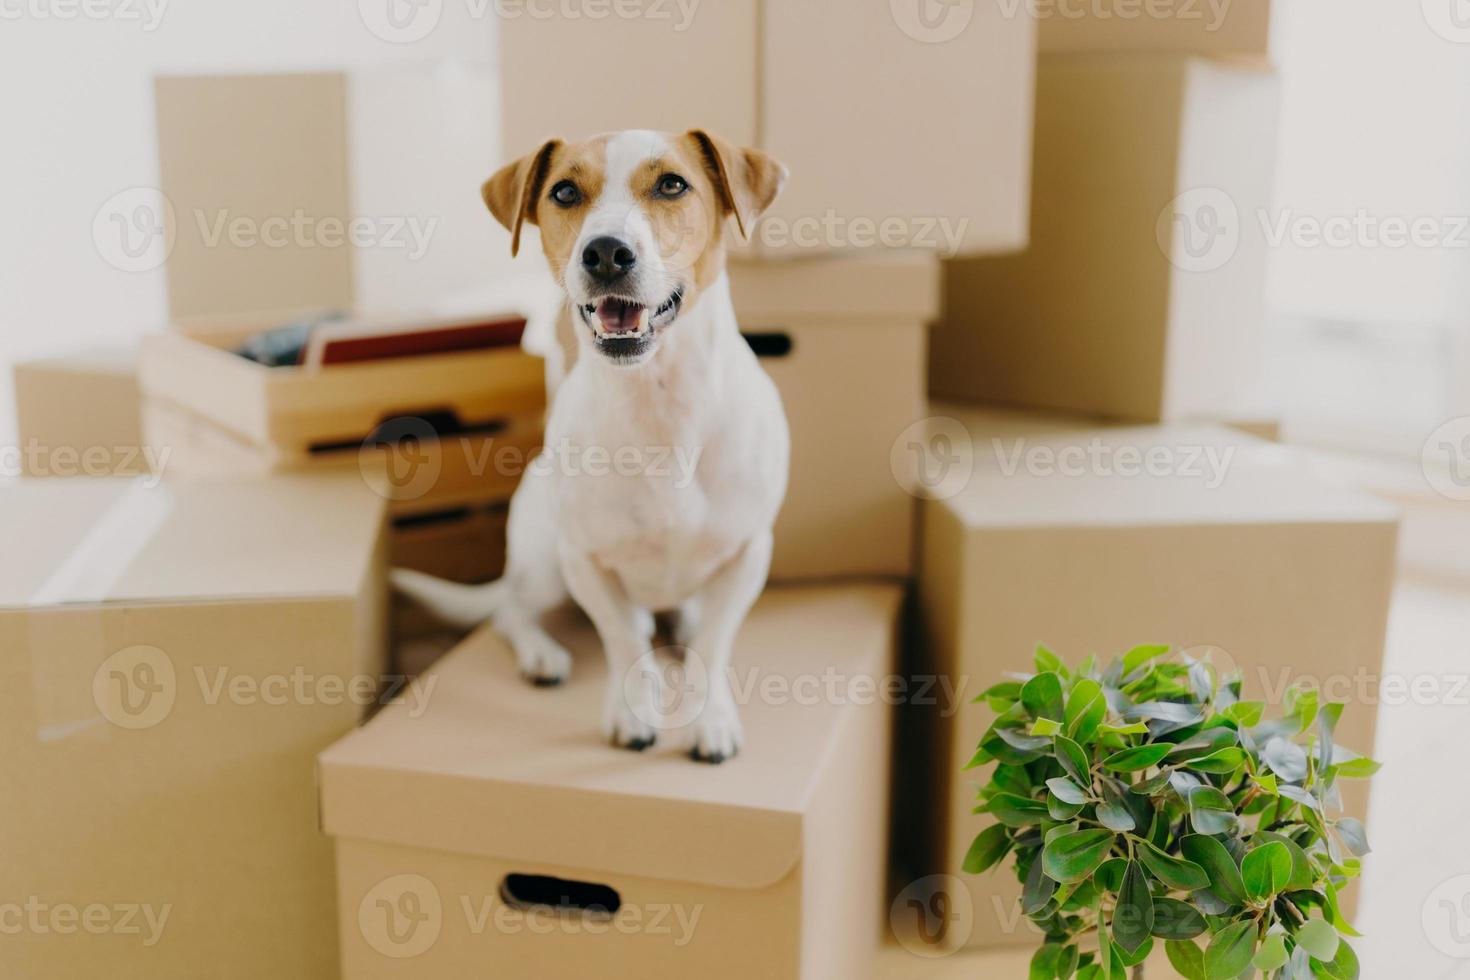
843	338
812	84
1097	540
172	659
1217	28
770	865
77	415
1142	294
405	461
327	189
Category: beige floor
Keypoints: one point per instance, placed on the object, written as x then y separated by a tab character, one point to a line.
1415	913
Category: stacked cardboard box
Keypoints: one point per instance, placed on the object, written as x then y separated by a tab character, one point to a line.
172	659
1096	539
1141	295
79	415
494	830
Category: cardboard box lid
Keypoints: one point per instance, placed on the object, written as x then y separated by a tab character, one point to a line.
895	286
1203	474
141	540
489	766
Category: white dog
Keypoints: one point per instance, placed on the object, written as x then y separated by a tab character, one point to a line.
632	224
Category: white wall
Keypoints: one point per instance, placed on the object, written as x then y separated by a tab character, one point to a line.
77	129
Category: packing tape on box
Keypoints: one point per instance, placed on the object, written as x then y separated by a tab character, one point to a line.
69	645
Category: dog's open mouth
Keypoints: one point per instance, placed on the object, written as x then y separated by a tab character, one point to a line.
614	317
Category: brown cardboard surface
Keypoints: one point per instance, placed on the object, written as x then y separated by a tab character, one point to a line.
812	84
1241	28
1286	573
83	404
1106	312
783	842
156	751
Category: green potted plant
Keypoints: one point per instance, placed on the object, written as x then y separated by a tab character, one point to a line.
1146	803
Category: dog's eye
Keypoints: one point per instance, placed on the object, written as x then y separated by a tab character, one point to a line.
566	194
671	185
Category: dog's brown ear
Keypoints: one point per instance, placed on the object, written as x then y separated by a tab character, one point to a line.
747	180
512	192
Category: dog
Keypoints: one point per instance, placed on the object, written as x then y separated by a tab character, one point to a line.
633	225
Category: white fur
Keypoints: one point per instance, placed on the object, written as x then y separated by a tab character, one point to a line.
625	544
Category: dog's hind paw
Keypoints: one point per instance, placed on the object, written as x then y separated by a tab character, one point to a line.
543	662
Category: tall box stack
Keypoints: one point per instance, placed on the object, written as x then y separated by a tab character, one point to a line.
172	659
1095	540
1141	295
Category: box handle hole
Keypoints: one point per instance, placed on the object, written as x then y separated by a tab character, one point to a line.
523	891
769	343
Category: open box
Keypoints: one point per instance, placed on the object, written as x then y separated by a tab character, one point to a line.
520	845
292	410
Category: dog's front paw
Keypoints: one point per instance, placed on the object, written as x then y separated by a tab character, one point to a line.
622	724
542	661
717	733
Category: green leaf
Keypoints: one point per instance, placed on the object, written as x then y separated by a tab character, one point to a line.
1137	728
1230	952
1113	813
1187	959
1246	714
1073	760
1343	966
1302	877
1067	964
1173	871
1360	767
1005	691
1109	874
1136	957
1211	855
1137	759
1046	661
1066	790
1074	856
1266	870
1272	955
1141	655
1286	759
1353	835
1152	786
1086	708
1223	761
1133	916
1333	911
1044	962
1045	727
1016	811
1177	920
1210	811
987	850
1319	939
1037	890
1042	696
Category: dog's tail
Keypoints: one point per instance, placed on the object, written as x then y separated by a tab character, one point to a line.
456	604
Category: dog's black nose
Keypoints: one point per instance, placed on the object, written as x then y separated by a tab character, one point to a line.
607	258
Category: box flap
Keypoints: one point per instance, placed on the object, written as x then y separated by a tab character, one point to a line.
1032	470
478	762
140	540
894	286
